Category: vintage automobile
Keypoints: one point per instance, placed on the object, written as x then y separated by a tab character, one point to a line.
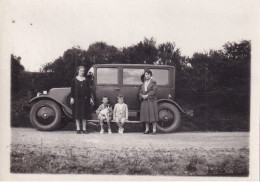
48	108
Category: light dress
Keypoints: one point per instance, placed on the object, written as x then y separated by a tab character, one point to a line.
120	112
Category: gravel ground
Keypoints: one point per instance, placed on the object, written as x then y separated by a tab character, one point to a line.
55	139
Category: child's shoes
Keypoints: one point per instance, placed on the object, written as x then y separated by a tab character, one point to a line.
109	131
101	131
121	130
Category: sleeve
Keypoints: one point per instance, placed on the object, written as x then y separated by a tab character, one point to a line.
141	92
90	94
89	90
126	112
73	88
153	92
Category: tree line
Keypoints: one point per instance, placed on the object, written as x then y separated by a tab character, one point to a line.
216	77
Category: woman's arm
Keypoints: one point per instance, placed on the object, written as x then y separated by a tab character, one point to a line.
73	88
72	92
89	92
153	90
141	92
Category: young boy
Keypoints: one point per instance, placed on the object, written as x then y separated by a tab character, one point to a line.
120	114
104	113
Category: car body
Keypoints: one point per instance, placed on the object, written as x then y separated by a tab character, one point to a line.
111	80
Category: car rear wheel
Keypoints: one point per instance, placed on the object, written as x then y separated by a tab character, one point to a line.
45	115
169	118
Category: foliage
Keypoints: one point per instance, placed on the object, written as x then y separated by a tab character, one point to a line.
101	53
64	68
16	75
217	81
143	53
168	54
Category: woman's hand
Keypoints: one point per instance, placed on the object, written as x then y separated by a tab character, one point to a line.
91	102
71	101
144	96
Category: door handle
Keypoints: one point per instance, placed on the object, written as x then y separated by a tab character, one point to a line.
117	88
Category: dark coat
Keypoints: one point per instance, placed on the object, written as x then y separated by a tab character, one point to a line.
81	93
149	108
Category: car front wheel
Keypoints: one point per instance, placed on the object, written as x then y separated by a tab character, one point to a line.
45	115
169	118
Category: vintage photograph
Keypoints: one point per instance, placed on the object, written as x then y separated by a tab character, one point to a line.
136	88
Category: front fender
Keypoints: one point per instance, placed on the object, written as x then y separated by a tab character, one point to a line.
41	97
67	110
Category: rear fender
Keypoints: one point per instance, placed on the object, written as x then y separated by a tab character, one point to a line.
171	102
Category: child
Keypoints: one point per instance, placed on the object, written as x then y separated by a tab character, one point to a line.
104	113
120	114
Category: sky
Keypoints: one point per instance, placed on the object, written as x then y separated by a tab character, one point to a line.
39	31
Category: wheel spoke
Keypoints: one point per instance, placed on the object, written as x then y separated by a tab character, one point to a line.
169	117
166	118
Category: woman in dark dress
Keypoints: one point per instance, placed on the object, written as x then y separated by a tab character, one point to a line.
148	97
81	98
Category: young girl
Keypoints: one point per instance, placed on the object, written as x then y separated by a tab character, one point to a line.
104	113
120	114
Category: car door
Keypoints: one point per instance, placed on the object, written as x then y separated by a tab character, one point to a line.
131	86
163	80
106	83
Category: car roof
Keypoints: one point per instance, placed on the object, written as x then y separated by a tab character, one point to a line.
133	65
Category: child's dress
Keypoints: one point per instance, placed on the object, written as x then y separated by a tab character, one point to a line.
120	111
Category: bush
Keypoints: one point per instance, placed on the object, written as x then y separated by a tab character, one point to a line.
215	85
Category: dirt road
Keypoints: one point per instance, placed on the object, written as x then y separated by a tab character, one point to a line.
189	153
206	140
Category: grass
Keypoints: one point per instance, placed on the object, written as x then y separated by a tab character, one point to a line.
130	161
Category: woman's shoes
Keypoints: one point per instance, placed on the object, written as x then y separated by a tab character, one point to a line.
146	132
84	132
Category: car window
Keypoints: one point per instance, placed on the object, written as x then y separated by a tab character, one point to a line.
160	76
107	76
132	76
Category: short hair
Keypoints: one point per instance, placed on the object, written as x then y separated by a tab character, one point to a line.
142	78
120	96
80	68
148	71
105	97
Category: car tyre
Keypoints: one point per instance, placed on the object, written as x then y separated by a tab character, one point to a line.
45	115
64	122
169	118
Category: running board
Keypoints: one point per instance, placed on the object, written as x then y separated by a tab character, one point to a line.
97	121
